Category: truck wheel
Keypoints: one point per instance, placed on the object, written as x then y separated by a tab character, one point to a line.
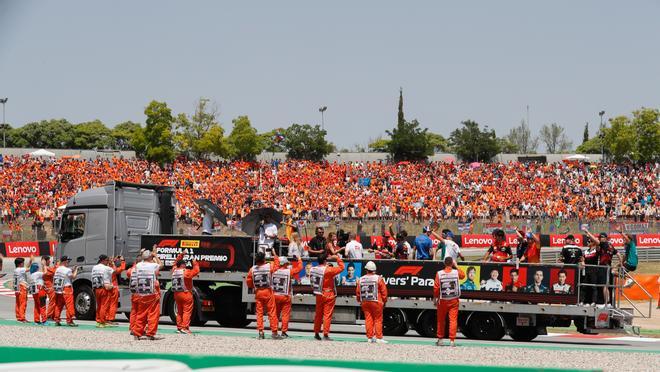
394	322
84	302
486	326
524	333
230	311
427	324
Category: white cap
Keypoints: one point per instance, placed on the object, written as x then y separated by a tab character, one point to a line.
146	255
370	266
283	261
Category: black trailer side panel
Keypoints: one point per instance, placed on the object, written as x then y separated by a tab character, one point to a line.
214	253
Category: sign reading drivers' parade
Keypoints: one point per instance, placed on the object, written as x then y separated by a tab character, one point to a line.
483	280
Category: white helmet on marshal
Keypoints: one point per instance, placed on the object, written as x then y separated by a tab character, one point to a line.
370	266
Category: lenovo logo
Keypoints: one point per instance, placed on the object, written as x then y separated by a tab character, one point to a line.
408	270
649	241
22	249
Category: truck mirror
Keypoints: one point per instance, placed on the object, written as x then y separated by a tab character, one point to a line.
80	259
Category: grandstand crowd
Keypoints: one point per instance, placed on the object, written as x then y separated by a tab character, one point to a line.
34	188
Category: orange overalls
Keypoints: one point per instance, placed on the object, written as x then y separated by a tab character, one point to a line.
21	293
39	298
50	292
113	298
183	295
372	297
101	294
325	301
447	290
134	303
148	307
64	299
263	294
283	292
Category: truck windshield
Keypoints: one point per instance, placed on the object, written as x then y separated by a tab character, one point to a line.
72	226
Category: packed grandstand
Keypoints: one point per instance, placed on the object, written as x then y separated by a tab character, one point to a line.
34	188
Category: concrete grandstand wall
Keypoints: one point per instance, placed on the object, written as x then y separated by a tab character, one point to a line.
339	157
83	154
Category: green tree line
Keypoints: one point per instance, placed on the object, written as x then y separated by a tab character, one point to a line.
199	135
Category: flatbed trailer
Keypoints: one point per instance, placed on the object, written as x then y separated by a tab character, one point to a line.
121	218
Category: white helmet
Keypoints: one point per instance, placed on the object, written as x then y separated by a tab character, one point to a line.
370	266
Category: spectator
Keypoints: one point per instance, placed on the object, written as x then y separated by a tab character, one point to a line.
423	245
353	249
296	248
317	243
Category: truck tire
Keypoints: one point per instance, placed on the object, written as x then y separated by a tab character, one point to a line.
485	326
427	324
394	322
524	333
230	311
84	302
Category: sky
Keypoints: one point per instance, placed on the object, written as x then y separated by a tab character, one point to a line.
279	61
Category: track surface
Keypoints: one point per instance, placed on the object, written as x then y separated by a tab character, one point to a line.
553	340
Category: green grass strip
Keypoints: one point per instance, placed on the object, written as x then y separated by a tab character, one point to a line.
18	354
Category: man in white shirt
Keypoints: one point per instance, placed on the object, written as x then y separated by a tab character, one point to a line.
493	284
353	249
267	236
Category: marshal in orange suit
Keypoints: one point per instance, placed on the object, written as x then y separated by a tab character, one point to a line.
371	293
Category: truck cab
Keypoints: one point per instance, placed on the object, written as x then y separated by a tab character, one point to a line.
110	220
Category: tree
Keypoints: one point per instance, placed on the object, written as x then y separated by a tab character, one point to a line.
244	142
54	134
437	142
409	142
379	144
156	137
619	139
190	130
91	135
521	138
474	144
273	141
213	142
646	128
585	135
507	147
306	142
555	139
123	135
592	146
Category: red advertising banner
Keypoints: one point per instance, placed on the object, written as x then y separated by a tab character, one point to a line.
559	240
485	240
648	240
22	249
